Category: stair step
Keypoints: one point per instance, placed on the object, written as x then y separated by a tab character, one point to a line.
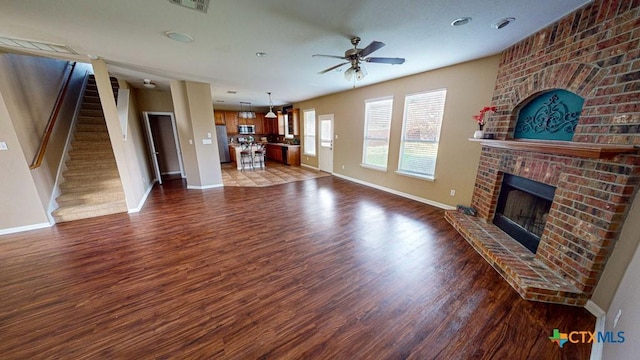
91	164
88	197
69	213
91	127
91	144
96	184
97	120
91	106
90	174
90	112
91	93
81	155
91	135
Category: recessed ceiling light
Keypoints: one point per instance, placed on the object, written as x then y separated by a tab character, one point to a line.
261	54
461	21
199	5
503	23
178	36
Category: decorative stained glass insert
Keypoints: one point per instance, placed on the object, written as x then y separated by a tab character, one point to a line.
550	116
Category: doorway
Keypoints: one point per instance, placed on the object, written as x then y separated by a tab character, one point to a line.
164	146
325	155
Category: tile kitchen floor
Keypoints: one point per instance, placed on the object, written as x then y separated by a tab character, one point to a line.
272	174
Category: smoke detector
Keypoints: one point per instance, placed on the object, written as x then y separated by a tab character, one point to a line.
148	84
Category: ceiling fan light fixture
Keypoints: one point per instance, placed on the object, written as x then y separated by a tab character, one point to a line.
461	21
270	114
348	75
148	84
361	72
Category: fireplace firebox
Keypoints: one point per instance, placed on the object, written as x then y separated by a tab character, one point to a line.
522	209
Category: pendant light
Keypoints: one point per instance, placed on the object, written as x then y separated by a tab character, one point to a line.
270	114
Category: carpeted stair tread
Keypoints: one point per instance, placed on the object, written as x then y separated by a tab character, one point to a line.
70	213
99	120
91	135
91	144
92	127
87	197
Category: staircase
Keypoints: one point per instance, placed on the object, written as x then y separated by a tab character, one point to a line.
91	185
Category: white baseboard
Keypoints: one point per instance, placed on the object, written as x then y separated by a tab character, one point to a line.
596	346
24	228
309	167
171	173
143	200
399	193
194	187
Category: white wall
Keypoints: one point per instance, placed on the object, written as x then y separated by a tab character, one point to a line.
626	299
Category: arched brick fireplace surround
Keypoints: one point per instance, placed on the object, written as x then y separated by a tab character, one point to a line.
595	53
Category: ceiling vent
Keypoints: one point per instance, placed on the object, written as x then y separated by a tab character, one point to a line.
36	45
198	5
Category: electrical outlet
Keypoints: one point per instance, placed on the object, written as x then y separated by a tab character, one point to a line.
342	167
452	193
3	145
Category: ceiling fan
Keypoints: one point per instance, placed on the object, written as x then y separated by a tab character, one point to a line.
355	56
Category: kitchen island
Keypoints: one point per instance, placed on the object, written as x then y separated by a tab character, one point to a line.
287	154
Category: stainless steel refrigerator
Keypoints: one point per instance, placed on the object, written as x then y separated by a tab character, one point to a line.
223	143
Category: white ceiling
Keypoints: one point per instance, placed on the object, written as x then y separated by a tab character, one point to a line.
129	36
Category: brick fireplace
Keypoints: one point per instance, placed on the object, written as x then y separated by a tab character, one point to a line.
593	52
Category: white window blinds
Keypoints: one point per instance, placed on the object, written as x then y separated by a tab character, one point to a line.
309	132
376	132
421	132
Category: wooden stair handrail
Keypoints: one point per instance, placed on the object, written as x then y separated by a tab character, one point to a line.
37	160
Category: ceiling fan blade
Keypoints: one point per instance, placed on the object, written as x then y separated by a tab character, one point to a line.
385	60
375	45
333	68
330	56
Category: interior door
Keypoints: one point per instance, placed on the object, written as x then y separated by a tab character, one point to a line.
325	154
152	149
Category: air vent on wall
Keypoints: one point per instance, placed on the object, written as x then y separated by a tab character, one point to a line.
35	45
198	5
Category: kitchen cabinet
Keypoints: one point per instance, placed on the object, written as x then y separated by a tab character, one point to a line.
283	153
281	120
259	122
292	155
293	122
274	152
218	117
232	153
231	121
271	126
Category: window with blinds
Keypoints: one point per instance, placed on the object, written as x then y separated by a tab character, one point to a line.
309	132
423	114
377	126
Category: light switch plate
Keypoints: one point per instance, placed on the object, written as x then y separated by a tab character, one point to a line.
3	145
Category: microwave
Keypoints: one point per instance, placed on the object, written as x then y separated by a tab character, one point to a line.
246	129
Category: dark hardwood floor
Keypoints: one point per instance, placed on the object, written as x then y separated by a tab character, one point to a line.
316	269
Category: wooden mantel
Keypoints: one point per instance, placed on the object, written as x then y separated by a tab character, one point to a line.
570	148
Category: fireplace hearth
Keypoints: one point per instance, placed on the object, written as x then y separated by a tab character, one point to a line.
522	209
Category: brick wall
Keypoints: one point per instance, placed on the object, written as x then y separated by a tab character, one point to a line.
594	52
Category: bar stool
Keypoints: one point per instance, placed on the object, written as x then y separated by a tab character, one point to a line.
245	155
259	155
